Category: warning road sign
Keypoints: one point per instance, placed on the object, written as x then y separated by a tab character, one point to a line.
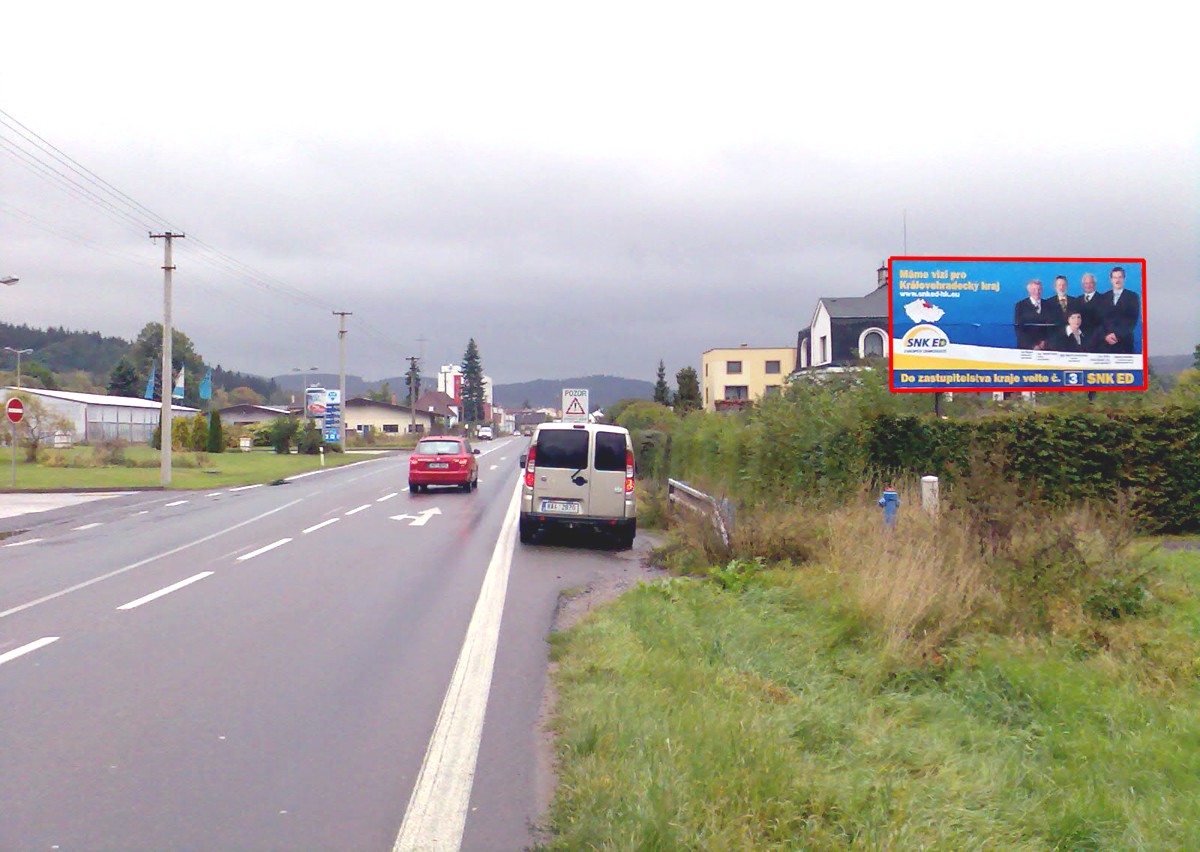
575	405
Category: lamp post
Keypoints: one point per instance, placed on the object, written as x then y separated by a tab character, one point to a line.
304	390
18	353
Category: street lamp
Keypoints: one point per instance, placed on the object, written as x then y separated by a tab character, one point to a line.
304	390
18	353
9	280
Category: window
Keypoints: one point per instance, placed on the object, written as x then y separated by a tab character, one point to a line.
737	392
610	451
824	349
733	366
391	427
440	448
563	448
872	346
772	390
772	368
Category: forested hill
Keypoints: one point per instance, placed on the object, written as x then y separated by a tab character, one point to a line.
603	391
63	351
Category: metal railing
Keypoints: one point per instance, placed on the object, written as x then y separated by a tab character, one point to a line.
720	511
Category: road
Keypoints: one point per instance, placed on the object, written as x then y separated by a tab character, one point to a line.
303	666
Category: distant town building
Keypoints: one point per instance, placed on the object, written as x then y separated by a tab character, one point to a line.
846	330
249	415
735	378
99	417
368	415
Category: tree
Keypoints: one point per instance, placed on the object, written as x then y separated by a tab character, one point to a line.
384	394
123	380
687	397
662	391
38	425
1196	357
412	381
472	385
147	350
215	442
39	373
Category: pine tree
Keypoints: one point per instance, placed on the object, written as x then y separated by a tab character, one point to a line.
123	380
216	435
472	385
687	397
412	381
662	391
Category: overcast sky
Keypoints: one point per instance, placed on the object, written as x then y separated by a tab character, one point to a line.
582	188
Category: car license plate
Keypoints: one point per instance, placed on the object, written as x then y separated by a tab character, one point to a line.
566	506
438	465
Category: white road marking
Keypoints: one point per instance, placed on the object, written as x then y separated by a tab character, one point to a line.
215	494
14	610
143	512
316	527
25	542
493	467
247	487
387	496
263	550
359	509
171	588
420	519
437	810
176	503
25	649
90	526
309	473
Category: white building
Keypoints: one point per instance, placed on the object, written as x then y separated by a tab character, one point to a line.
97	417
450	383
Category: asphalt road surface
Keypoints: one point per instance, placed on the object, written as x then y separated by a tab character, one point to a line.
331	663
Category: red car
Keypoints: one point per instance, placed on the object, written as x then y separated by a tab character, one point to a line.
443	461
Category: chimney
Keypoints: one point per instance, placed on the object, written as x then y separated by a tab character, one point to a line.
882	275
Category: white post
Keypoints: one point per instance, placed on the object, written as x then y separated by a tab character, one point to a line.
929	494
168	374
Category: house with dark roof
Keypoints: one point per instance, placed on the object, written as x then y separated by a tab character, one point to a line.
845	330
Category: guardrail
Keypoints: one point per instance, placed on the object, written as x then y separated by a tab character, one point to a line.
720	511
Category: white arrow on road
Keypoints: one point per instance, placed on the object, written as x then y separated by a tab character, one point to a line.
420	519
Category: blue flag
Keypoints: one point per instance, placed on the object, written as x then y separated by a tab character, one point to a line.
206	385
149	394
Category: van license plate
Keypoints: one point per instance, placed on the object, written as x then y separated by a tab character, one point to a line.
438	465
564	506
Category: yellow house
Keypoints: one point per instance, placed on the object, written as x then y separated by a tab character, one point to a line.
735	377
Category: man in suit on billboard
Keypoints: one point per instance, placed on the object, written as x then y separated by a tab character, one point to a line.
1121	311
1060	304
1070	336
1031	318
1091	305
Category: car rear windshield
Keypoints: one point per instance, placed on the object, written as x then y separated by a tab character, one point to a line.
610	451
566	448
439	448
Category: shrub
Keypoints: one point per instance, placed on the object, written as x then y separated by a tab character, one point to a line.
214	439
280	433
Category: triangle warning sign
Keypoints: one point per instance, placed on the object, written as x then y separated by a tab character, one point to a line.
575	407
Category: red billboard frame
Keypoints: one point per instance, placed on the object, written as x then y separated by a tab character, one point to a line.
1141	261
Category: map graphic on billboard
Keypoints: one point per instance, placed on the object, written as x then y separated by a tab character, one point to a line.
1017	324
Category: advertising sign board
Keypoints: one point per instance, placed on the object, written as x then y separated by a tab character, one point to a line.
332	407
1017	324
575	405
314	402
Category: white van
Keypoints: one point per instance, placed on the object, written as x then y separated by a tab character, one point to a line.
577	475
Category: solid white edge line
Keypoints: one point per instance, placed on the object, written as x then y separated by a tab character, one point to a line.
316	527
437	810
263	550
90	526
14	610
359	509
25	649
25	542
247	487
171	588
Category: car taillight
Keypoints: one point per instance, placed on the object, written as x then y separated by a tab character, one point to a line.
529	465
629	471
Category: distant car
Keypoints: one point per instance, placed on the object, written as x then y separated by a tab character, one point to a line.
441	460
485	433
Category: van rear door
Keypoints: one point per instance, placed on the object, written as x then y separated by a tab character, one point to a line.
562	481
608	474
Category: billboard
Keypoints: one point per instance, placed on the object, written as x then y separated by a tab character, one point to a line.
1017	324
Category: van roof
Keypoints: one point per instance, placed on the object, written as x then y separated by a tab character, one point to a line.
591	427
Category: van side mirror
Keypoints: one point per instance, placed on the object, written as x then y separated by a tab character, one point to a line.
524	461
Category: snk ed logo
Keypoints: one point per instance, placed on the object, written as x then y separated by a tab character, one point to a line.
925	338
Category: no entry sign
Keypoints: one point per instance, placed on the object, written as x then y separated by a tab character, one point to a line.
14	410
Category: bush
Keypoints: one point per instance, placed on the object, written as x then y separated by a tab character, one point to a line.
280	433
310	438
215	439
109	453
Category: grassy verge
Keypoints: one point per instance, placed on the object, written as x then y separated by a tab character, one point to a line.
778	709
138	467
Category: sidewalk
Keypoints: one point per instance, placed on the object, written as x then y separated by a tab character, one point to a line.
14	505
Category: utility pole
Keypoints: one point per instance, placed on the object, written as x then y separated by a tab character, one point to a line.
341	315
168	374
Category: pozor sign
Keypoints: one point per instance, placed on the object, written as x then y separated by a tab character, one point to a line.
575	405
1017	324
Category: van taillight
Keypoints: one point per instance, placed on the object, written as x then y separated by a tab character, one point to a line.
629	471
529	467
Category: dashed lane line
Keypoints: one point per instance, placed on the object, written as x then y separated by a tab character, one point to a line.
25	542
387	496
171	588
90	526
246	487
358	509
25	649
263	550
316	527
176	503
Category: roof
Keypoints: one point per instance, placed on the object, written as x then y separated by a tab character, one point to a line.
745	349
437	403
101	399
873	305
249	406
363	402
